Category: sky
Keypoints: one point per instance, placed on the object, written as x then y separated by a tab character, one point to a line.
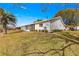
27	13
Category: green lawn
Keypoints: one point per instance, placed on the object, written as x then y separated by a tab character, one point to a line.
38	43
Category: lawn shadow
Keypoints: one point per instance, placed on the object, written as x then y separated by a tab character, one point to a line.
13	32
70	36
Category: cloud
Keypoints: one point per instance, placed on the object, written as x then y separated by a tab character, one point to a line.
22	7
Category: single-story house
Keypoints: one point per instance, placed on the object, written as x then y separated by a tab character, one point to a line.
50	25
11	26
30	27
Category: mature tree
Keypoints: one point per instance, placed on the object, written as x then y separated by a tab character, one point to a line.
68	16
5	19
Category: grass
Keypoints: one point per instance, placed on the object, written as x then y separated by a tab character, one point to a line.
37	43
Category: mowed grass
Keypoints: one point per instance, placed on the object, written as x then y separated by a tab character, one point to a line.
36	43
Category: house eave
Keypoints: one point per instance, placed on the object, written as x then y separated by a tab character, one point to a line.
53	20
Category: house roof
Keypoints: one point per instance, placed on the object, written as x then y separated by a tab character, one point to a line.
27	25
53	19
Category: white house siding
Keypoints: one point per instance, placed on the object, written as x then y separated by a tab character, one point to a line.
23	28
58	24
30	27
46	26
54	24
11	26
36	26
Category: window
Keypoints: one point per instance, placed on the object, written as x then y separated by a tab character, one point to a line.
40	25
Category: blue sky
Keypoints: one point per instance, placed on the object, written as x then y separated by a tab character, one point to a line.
26	13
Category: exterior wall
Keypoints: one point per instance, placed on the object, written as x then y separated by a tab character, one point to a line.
37	27
28	27
51	25
57	25
23	28
46	26
31	27
11	26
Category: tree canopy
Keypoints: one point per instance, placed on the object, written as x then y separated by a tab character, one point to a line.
70	16
5	19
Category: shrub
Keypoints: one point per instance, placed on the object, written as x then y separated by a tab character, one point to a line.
56	30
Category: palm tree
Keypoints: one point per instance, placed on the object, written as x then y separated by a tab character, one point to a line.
6	19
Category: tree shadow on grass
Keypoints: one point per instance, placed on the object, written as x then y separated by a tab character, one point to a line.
14	32
67	36
70	36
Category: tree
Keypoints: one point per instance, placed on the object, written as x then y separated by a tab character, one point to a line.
77	15
37	20
6	18
68	16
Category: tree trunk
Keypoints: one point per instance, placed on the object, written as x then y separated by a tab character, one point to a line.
5	28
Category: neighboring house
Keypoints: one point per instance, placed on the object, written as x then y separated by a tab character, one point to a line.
50	25
11	25
30	27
